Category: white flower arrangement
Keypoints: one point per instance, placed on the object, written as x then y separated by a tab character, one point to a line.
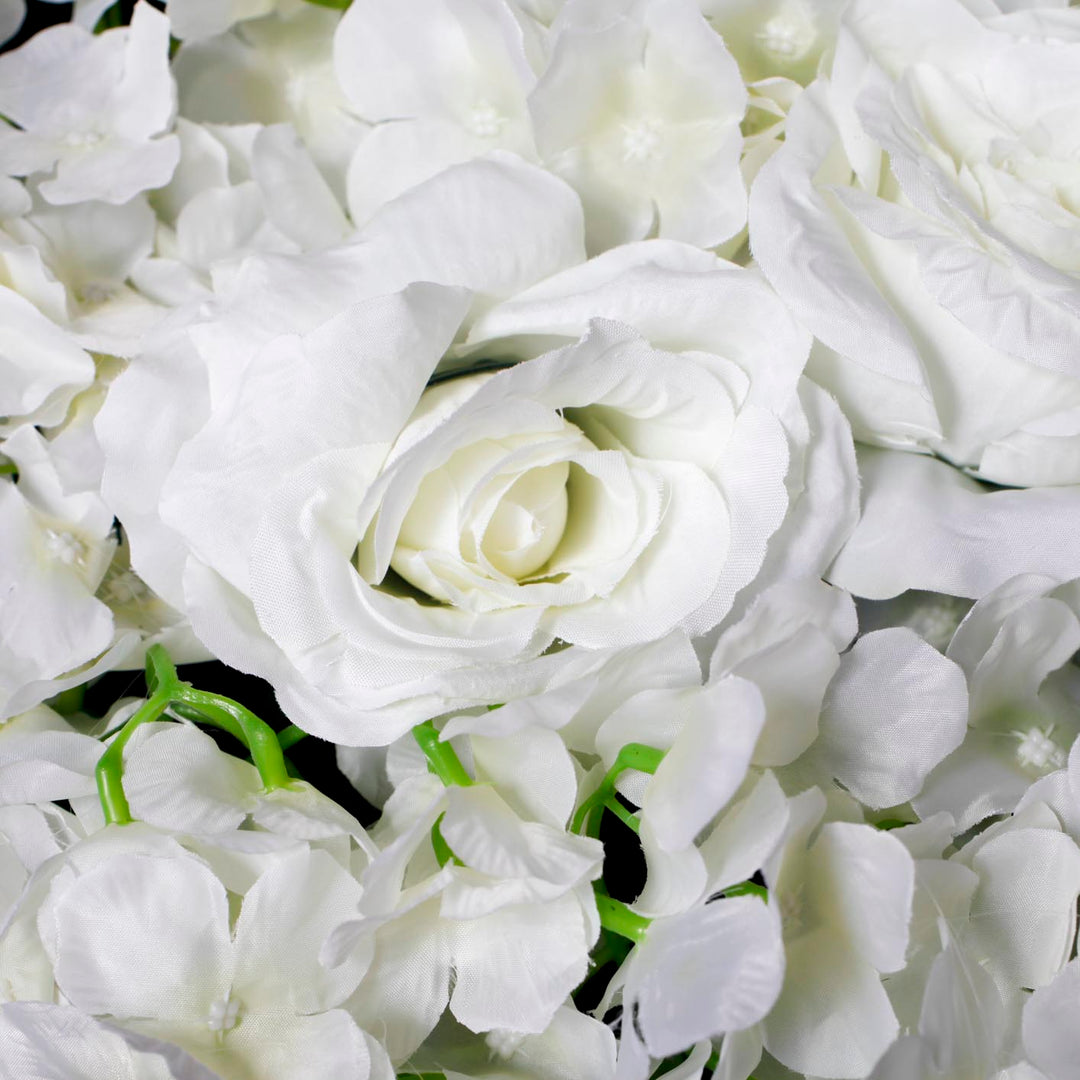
608	472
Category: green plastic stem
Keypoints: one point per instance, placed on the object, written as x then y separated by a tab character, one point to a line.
109	770
631	756
443	852
215	718
167	691
748	888
290	736
260	737
631	821
442	760
619	919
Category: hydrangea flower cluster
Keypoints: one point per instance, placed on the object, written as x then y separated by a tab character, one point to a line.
636	444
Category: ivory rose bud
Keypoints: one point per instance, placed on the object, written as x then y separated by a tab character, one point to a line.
921	221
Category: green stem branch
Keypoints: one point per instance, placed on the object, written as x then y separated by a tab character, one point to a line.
442	760
631	756
167	691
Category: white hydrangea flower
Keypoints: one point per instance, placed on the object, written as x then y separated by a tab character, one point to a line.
1015	647
43	367
74	261
29	836
919	220
139	931
238	189
442	82
933	616
74	608
639	110
962	1026
714	968
100	117
192	20
1049	1027
43	759
788	644
176	777
988	923
276	69
707	734
516	898
54	551
1023	912
844	892
573	1044
785	38
894	710
706	965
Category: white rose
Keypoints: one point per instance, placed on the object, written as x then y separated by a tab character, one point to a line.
584	497
920	219
383	553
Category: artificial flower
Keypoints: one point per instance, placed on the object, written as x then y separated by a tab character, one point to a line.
918	219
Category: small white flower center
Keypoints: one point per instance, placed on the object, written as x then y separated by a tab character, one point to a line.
223	1014
95	292
81	139
1037	752
641	141
789	35
937	620
65	547
484	120
122	587
502	1043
